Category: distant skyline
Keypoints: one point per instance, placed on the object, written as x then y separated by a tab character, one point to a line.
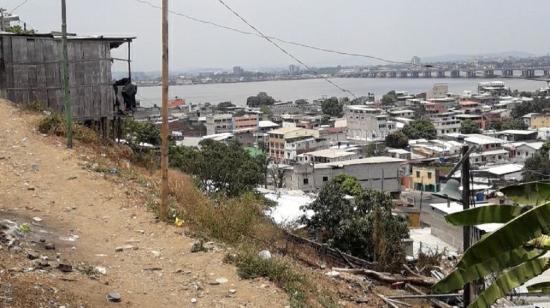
395	29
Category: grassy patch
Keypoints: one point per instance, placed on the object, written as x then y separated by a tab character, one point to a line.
230	220
280	272
54	124
241	221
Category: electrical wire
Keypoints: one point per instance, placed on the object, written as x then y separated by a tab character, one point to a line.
284	50
309	46
19	5
304	45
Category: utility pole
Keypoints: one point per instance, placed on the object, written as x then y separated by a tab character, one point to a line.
66	94
2	19
467	295
164	128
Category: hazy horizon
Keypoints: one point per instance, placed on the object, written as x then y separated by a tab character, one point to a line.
397	29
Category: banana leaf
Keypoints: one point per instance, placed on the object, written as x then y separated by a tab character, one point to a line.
510	280
532	193
541	286
541	242
485	215
512	235
459	277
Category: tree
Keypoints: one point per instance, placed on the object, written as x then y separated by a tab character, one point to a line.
277	175
397	140
301	102
374	149
538	167
513	253
537	105
420	129
364	227
469	127
332	107
225	105
262	99
220	168
141	132
265	110
389	98
508	124
17	29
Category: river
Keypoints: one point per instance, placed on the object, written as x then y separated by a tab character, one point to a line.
287	90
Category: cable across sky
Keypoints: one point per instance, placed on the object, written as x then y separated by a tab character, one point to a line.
284	50
19	5
273	38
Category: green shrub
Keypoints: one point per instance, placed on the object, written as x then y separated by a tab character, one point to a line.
280	272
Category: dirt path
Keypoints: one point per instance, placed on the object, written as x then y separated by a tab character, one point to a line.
87	217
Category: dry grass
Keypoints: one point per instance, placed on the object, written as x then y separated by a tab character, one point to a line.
54	124
230	220
241	222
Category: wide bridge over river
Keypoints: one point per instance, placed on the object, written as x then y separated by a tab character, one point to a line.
528	73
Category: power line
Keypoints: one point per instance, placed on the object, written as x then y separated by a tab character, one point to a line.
308	46
282	49
19	5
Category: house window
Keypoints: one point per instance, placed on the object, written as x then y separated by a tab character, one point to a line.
429	175
325	179
306	181
417	174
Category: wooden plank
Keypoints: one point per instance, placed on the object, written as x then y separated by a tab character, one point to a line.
39	51
31	47
19	50
2	67
87	108
20	76
8	61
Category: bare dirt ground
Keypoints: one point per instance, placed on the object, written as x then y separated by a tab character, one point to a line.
87	216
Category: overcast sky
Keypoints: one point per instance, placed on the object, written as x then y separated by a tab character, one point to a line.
396	29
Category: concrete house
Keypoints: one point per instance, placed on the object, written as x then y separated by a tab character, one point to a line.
379	173
367	124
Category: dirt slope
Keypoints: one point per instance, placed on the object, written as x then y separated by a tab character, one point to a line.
87	216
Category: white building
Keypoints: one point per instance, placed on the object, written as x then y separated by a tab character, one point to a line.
327	156
493	157
521	151
219	123
379	173
367	124
299	145
445	123
439	90
406	113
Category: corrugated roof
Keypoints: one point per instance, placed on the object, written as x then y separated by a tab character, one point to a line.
504	169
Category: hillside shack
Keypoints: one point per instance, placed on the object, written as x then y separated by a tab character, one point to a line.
31	72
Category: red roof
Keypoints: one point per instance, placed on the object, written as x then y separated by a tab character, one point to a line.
177	102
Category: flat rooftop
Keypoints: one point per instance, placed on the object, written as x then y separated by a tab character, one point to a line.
362	161
329	153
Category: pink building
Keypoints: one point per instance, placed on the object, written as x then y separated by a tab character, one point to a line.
247	122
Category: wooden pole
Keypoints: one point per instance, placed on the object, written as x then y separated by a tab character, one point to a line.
467	295
2	19
66	91
164	128
129	62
